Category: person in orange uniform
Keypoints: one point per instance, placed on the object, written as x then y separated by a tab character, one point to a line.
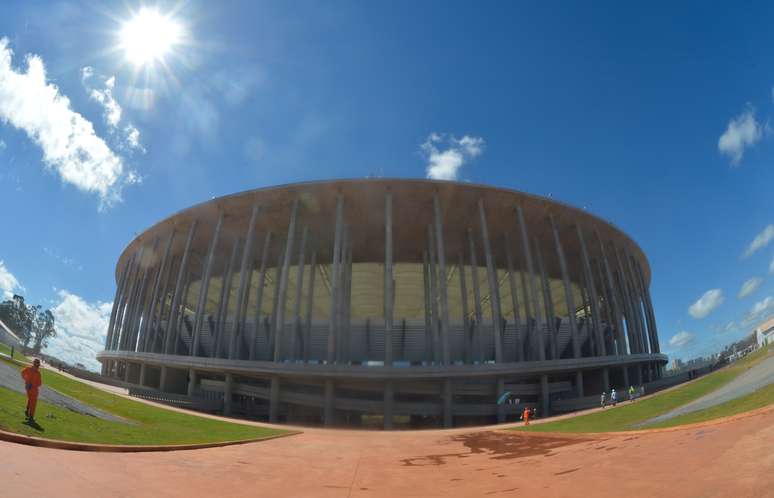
32	383
525	416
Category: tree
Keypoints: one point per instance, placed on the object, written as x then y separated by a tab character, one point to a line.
43	329
17	315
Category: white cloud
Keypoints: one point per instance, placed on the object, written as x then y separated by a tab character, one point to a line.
760	310
445	164
9	284
706	303
81	328
112	111
743	131
750	286
681	339
760	241
69	143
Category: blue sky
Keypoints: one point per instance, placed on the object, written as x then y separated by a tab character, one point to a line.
654	117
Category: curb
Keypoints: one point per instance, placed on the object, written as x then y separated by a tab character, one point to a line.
124	448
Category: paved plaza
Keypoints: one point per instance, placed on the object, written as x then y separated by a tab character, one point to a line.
718	459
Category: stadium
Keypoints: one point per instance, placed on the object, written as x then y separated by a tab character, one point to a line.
402	303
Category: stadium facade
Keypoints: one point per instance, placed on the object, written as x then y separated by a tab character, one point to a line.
395	301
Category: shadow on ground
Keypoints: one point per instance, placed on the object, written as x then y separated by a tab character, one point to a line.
499	446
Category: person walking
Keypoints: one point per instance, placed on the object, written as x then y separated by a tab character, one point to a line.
32	383
631	393
525	415
602	400
613	397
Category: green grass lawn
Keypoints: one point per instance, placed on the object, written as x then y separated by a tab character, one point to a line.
16	354
627	415
148	424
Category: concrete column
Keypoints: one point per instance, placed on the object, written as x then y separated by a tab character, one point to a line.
274	400
638	374
297	303
148	329
204	286
545	400
636	297
275	303
279	330
514	300
245	277
601	350
116	305
448	418
329	409
467	339
548	303
434	318
158	333
259	293
332	332
608	316
147	301
568	298
181	275
123	312
126	372
586	310
532	295
162	378
528	338
389	296
653	333
342	299
605	379
177	339
228	392
445	352
143	373
625	371
225	297
389	394
478	339
613	300
631	314
428	318
579	383
191	382
491	271
307	347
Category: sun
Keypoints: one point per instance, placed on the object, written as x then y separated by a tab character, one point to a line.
149	36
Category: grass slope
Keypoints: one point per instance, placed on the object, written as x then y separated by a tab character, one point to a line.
625	417
148	424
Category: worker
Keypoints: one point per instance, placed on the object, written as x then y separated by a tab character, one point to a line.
32	383
613	397
525	416
602	400
631	393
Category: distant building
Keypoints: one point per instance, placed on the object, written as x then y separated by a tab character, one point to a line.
764	333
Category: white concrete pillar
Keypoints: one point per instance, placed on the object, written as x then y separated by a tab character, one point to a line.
568	297
279	330
148	325
477	336
600	343
294	355
225	297
332	325
182	273
514	299
307	346
245	278
444	297
259	293
389	296
532	294
204	286
491	271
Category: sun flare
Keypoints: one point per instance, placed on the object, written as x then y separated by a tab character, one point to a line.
149	36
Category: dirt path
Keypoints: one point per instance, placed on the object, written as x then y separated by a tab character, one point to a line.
724	459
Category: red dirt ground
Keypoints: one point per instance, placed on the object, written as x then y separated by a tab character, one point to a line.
732	458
